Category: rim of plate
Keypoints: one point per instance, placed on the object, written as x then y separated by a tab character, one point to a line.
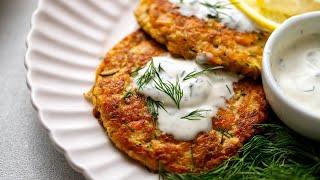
34	104
31	86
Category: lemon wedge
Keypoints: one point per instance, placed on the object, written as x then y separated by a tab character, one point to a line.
269	14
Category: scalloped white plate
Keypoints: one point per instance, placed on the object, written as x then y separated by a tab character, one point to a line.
64	45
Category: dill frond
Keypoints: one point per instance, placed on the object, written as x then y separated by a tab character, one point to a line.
277	153
195	115
127	94
174	91
224	133
147	76
153	107
216	8
228	89
194	74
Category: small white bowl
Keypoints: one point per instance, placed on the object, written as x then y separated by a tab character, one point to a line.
292	114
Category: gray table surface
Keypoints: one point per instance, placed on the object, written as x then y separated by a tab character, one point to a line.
25	149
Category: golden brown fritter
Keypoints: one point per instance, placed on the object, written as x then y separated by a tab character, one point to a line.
132	129
189	36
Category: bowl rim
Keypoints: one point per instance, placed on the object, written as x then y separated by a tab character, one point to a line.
266	63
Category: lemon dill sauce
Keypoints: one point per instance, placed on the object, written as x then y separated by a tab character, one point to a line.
221	10
297	72
183	95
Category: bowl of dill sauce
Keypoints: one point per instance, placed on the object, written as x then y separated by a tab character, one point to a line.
291	73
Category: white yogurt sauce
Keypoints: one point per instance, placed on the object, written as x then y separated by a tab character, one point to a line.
297	72
222	10
207	92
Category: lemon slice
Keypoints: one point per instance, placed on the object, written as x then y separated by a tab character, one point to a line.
269	14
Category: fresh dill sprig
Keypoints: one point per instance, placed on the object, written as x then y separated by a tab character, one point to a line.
228	89
194	74
147	76
127	94
276	153
224	133
161	171
173	90
153	106
195	115
160	68
216	8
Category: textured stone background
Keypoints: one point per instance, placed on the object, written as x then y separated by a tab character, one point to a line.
25	150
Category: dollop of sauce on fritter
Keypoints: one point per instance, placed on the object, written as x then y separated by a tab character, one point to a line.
221	10
183	95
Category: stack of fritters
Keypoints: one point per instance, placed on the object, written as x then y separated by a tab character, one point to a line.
125	116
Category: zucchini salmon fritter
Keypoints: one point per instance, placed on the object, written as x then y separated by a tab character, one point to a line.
190	37
133	130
